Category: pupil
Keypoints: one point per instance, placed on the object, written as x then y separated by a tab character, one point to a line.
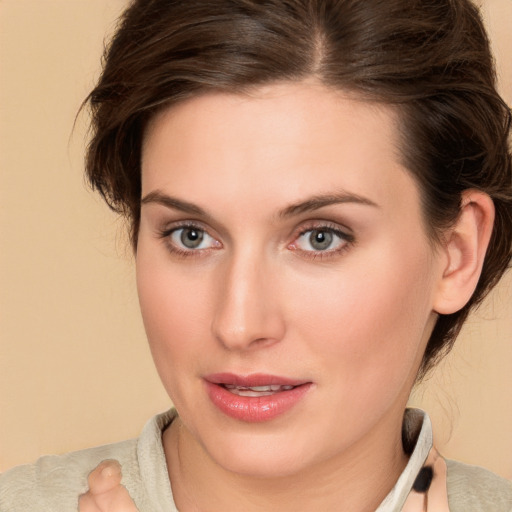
191	238
320	240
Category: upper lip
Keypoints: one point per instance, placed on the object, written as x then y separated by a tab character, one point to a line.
252	380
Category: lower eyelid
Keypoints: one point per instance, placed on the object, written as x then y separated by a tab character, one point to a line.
176	248
344	240
344	243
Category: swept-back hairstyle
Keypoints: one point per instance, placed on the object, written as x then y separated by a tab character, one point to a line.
430	59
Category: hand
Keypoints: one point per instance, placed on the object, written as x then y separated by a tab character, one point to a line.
106	494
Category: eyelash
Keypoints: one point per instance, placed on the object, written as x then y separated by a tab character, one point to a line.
166	234
326	227
334	229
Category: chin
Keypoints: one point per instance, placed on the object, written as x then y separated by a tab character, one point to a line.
260	456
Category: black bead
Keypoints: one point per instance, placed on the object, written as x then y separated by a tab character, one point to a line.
424	479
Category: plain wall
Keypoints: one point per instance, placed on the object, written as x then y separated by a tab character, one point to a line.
75	370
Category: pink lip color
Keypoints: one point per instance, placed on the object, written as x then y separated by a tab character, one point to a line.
254	409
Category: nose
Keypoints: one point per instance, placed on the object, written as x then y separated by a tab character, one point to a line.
248	312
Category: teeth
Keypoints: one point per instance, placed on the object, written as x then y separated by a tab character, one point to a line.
256	390
263	388
250	392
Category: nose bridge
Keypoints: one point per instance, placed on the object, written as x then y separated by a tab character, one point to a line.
247	312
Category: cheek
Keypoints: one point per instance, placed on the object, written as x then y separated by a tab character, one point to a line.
174	309
369	318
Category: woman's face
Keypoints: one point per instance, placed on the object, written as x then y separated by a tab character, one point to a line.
282	244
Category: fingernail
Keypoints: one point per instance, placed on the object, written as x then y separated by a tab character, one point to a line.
107	472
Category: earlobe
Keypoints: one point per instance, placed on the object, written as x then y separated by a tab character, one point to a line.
464	250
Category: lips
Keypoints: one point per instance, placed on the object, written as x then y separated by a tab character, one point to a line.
254	398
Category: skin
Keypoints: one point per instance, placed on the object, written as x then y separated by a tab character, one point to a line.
106	493
257	297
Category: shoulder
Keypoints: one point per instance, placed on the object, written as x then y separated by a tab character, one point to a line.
55	482
472	488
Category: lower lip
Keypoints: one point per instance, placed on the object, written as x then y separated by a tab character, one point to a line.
258	408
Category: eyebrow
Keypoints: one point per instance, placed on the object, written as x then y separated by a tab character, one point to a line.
171	202
309	205
320	201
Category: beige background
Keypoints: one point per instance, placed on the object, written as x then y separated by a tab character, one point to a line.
74	367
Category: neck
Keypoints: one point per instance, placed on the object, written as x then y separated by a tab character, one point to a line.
358	479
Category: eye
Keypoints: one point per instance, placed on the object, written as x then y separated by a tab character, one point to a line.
190	238
322	239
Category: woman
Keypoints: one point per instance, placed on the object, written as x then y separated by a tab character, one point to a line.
318	194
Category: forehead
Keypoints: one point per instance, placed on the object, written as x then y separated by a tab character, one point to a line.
276	144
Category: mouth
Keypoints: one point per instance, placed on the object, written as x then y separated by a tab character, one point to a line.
255	398
255	391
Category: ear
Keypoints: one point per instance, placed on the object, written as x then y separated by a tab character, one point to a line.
464	249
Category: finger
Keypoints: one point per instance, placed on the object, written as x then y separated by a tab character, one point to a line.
115	500
86	503
105	477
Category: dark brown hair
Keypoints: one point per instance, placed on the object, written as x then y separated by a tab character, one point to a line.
429	58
